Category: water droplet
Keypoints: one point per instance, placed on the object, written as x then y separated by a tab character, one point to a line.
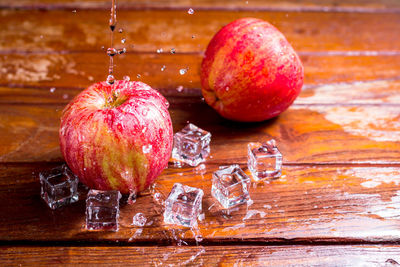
173	50
111	52
41	36
163	68
202	99
132	197
127	78
139	219
160	50
179	88
144	112
166	103
110	79
122	51
193	36
90	78
227	89
65	96
183	71
52	89
102	48
198	238
138	76
74	11
123	40
190	11
146	149
120	30
247	2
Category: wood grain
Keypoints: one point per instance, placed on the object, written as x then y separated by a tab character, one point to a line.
68	74
288	5
371	255
149	30
338	199
326	204
305	133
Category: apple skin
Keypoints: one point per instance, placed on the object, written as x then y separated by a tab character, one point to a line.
250	72
117	137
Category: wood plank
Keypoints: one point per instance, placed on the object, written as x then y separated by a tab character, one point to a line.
325	204
287	5
355	255
305	133
69	74
149	30
376	92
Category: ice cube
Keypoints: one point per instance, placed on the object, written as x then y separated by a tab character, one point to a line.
102	210
264	160
183	205
191	145
230	186
59	186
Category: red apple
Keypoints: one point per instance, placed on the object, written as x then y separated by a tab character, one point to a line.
250	72
117	137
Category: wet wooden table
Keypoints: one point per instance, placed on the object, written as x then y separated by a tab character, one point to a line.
338	200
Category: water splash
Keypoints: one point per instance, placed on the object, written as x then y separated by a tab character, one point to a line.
251	213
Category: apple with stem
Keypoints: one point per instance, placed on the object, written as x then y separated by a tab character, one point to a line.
250	72
117	137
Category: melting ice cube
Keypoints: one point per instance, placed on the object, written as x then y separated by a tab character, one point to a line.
264	160
102	210
59	186
183	205
191	145
230	186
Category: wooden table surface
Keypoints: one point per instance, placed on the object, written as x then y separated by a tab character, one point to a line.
338	200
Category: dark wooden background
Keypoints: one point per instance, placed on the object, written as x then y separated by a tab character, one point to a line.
338	201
